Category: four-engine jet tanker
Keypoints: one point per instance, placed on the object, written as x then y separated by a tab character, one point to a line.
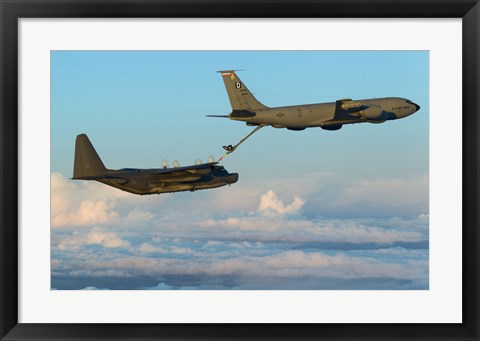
88	166
328	116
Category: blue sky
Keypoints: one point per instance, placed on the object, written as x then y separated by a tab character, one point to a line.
357	197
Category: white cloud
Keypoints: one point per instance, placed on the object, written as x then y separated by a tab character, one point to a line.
89	213
181	250
161	286
92	288
136	217
268	228
270	204
79	204
88	203
60	198
95	237
149	248
293	263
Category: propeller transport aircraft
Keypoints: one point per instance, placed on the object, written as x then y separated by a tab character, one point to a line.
89	166
328	116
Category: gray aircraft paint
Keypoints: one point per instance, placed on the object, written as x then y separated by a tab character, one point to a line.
330	116
89	166
240	97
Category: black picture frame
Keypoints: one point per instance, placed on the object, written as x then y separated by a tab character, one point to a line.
11	11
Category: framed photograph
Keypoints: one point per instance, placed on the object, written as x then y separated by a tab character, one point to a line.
226	170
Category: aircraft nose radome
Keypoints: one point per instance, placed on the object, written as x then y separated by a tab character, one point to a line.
232	178
417	107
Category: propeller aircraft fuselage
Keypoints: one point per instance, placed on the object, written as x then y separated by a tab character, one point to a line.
89	166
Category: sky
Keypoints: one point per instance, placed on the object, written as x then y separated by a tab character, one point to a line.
313	209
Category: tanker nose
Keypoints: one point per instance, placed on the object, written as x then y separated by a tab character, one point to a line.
232	178
415	108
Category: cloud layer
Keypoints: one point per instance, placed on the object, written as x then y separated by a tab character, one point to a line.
105	238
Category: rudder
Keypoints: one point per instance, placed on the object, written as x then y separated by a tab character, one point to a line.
87	162
240	97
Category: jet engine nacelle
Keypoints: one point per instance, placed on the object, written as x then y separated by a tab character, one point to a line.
374	112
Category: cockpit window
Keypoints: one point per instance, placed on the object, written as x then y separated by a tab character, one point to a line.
220	170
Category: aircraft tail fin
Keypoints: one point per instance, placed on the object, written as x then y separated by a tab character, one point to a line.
87	163
240	97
